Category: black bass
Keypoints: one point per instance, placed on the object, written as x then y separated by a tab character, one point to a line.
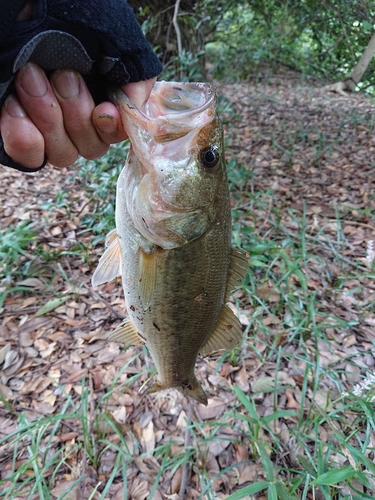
172	242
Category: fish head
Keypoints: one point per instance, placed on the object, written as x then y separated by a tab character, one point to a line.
178	174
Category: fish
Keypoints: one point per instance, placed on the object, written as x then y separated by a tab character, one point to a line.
172	242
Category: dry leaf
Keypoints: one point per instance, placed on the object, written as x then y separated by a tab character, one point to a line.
217	446
109	353
138	490
3	352
120	415
182	420
148	437
215	407
242	380
176	481
263	384
25	339
32	283
248	474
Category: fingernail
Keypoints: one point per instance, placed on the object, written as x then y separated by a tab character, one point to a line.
13	107
106	123
32	80
66	83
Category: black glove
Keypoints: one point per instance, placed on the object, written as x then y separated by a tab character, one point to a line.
101	39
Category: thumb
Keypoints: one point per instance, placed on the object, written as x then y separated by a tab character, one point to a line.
139	92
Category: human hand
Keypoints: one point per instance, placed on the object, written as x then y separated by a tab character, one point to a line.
57	118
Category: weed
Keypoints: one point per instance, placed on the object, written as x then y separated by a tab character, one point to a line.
98	179
14	243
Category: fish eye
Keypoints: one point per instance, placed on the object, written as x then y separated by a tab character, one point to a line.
210	157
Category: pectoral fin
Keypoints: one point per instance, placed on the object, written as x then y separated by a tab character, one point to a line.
110	262
126	333
111	236
237	271
147	276
227	334
189	226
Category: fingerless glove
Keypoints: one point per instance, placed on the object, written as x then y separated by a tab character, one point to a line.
101	39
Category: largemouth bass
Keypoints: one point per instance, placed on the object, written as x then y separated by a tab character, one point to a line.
172	242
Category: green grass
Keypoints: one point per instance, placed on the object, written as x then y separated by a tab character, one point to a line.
14	242
39	458
289	468
98	179
306	431
284	259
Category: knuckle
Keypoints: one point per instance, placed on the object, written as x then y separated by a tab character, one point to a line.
95	153
29	143
63	160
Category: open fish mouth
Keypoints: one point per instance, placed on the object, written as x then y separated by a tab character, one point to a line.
169	197
172	111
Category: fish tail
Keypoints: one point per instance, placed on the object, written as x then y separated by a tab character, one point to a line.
191	388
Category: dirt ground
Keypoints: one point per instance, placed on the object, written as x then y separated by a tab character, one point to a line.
314	151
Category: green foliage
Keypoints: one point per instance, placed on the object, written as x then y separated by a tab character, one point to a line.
325	40
184	67
241	40
98	178
14	242
238	39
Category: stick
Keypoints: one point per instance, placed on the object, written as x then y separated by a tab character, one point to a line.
185	469
177	29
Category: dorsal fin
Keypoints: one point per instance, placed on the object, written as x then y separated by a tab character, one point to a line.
227	334
110	262
126	333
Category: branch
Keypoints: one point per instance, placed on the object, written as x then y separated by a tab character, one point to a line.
177	29
185	470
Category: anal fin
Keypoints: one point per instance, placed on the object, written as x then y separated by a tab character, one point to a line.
227	334
238	268
126	333
110	262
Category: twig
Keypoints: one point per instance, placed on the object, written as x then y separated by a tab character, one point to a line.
90	420
185	469
178	32
266	218
16	312
98	297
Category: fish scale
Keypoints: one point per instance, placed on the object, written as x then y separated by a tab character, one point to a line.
172	239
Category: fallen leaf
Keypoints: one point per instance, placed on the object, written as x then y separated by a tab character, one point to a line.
215	407
176	481
51	305
138	490
25	339
148	437
32	283
3	352
263	384
248	474
242	380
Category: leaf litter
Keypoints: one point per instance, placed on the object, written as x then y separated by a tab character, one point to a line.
304	162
